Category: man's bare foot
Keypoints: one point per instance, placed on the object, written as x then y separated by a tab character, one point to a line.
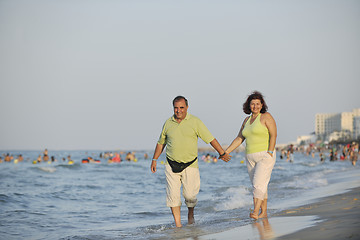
191	219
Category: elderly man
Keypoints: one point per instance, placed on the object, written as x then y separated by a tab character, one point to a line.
180	135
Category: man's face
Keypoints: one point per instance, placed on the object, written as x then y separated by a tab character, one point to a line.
180	109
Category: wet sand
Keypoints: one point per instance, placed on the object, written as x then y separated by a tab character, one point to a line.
339	215
334	217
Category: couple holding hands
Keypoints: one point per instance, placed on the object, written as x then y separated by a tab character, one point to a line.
180	135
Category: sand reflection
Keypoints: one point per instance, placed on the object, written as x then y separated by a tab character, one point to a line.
264	228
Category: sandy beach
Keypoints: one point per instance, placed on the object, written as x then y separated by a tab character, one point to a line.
339	215
334	217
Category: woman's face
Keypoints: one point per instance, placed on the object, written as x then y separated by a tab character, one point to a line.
255	106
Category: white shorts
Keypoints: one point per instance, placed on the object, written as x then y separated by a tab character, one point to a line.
260	166
189	178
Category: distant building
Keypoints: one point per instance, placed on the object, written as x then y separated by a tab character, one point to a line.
305	140
347	121
326	123
337	125
339	135
357	127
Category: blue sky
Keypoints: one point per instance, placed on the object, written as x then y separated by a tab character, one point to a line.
102	74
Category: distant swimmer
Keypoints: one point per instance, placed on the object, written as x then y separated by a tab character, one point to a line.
130	156
90	160
290	154
46	155
354	153
331	155
70	161
116	158
7	158
322	157
53	159
282	154
85	160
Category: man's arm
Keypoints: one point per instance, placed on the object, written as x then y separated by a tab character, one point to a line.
158	150
216	145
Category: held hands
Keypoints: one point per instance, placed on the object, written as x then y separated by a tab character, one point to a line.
225	157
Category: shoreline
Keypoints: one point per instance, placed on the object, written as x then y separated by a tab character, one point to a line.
332	217
339	215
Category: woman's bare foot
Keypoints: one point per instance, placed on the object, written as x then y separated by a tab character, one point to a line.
263	215
254	215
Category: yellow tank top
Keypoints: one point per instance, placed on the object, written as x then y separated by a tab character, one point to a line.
256	135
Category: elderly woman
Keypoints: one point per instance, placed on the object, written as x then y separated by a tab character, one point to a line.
259	130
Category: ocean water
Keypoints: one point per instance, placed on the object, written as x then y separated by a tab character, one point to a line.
126	201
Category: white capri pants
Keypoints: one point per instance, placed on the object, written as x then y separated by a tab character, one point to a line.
260	166
189	178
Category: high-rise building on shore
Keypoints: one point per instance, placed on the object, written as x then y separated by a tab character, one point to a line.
326	123
357	127
329	126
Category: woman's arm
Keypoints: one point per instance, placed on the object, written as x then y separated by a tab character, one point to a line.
223	155
238	140
271	126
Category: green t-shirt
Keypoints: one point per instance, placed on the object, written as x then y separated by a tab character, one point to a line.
181	139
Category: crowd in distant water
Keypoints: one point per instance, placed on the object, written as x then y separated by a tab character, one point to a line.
332	152
102	157
45	157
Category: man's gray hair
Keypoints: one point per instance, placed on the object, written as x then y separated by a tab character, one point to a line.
178	98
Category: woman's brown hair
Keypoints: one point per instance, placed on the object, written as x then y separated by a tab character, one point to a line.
254	95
